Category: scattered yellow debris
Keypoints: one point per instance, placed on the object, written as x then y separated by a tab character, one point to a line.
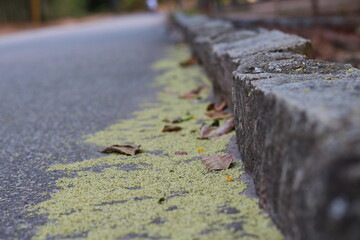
229	179
153	195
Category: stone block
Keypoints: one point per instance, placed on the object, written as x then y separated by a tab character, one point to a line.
299	135
229	55
297	124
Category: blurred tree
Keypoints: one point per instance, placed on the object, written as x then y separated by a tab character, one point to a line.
14	10
35	11
131	5
102	5
64	8
44	10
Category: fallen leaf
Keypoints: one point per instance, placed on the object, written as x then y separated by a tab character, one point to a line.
171	128
200	150
210	107
180	120
229	179
205	131
216	108
191	61
220	107
218	115
122	149
181	153
189	95
194	93
228	126
217	162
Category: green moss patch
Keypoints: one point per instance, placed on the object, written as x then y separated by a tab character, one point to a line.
155	194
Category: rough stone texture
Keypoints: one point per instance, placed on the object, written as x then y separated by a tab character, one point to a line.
198	26
299	135
298	129
220	47
205	47
297	124
229	55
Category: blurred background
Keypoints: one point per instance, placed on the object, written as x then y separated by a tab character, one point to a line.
47	10
332	25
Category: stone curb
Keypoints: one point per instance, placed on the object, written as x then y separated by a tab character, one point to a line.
297	123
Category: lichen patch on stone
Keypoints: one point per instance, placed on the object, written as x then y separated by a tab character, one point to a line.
159	194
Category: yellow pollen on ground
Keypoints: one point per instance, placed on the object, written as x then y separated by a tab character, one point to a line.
156	194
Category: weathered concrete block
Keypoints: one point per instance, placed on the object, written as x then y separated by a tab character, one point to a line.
211	28
299	134
204	49
229	55
297	125
185	23
201	26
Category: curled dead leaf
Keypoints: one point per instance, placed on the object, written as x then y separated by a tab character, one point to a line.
210	107
194	93
205	131
217	162
180	119
171	128
218	115
216	108
189	62
220	107
122	149
228	126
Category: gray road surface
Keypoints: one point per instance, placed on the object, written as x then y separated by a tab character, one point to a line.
57	84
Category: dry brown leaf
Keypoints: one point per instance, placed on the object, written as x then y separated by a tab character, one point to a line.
180	120
122	149
217	162
188	95
205	131
181	153
194	93
177	120
218	115
189	62
210	107
220	107
228	126
171	128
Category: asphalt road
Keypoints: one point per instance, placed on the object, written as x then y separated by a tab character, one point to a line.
58	84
